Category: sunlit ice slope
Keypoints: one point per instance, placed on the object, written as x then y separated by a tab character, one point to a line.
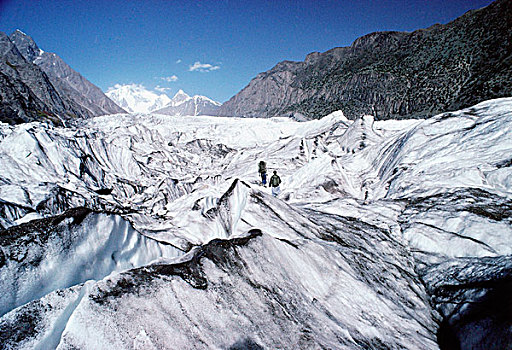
384	234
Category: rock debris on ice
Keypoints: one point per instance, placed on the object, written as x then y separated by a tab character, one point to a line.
153	232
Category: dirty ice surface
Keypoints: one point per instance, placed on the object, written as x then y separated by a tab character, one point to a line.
385	234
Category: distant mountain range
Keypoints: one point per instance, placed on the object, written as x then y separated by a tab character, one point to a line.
392	75
39	85
135	98
182	104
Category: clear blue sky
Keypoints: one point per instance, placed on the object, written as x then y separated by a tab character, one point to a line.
126	41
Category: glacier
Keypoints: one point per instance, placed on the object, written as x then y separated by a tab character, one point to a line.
146	231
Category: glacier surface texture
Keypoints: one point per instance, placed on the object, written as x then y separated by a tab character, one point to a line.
147	231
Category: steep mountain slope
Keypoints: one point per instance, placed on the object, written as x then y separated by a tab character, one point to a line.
387	234
26	93
69	82
38	85
392	74
136	98
182	104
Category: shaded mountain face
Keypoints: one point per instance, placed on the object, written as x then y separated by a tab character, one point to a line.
182	104
38	85
154	232
26	93
65	79
392	75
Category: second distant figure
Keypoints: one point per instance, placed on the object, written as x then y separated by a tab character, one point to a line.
262	169
275	181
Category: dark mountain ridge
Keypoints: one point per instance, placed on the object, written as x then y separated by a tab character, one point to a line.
392	75
39	86
26	93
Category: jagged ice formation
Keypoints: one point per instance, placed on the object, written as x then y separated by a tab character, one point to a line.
151	232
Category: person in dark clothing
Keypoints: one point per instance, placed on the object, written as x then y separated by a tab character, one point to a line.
262	169
275	181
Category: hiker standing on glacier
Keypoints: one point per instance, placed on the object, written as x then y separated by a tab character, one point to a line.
262	169
274	182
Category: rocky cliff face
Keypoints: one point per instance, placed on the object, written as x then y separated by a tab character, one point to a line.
26	92
392	74
38	85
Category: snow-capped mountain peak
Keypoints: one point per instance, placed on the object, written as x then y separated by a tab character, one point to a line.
135	98
179	98
182	104
199	98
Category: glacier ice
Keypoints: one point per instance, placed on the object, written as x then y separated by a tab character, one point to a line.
68	250
388	234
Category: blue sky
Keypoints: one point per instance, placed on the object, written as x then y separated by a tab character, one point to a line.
212	48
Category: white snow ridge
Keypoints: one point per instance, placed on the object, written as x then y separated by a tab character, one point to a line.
137	99
151	231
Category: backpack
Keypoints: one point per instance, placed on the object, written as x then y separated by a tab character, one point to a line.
275	181
262	167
